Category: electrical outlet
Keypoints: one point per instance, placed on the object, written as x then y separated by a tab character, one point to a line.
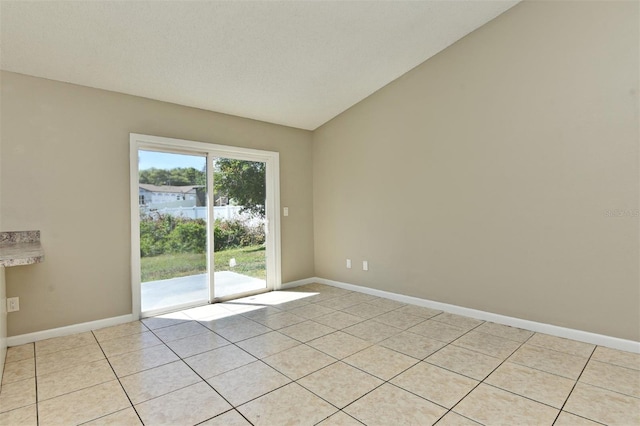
365	265
13	304
348	263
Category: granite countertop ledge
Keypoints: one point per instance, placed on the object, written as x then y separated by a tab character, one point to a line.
20	248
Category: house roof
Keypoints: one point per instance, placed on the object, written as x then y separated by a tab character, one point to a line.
168	188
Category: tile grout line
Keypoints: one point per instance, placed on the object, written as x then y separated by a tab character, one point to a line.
526	397
467	394
388	381
35	379
482	381
163	343
18	381
296	381
342	361
576	384
485	377
233	408
94	385
61	370
339	411
401	330
280	372
371	345
118	379
299	384
450	343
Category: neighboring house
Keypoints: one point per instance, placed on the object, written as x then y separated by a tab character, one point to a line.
168	196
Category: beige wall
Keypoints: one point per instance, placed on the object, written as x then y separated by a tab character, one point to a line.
3	287
482	178
62	144
3	321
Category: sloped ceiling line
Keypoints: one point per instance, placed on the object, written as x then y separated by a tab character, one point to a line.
293	63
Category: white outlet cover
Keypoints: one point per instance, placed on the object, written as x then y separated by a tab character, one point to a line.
13	304
365	265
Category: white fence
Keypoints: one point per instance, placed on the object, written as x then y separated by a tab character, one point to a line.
219	212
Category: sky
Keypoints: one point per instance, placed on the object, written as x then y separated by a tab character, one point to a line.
164	160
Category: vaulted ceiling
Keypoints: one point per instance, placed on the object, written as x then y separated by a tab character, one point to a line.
297	63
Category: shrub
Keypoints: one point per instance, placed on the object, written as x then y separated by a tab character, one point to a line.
160	234
188	237
154	231
236	233
254	235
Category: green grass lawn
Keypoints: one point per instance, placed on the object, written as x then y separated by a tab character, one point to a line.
249	261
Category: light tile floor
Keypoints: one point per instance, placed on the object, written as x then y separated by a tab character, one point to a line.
317	355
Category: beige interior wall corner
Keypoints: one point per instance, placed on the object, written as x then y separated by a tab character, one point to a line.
65	171
485	177
3	287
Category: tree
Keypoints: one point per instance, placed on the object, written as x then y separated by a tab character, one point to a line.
179	176
242	181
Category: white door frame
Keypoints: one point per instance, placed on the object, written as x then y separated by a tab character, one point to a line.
181	146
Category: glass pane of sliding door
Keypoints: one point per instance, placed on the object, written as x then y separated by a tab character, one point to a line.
240	233
172	199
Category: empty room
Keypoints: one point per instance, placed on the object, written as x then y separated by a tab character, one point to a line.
320	212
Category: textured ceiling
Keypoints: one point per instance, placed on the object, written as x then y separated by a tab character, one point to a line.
294	63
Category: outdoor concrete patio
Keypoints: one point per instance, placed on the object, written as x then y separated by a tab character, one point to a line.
178	291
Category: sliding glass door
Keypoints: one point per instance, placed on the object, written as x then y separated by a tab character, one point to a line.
205	223
240	233
172	201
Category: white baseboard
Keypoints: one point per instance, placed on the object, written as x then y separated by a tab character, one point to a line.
298	283
21	339
554	330
539	327
94	325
